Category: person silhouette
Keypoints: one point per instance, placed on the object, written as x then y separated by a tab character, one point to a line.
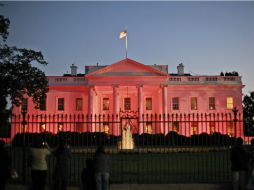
62	155
102	166
88	176
5	165
240	159
38	163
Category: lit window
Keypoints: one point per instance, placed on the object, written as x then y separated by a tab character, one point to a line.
102	127
230	103
212	127
43	103
175	103
194	127
59	127
24	104
194	103
106	127
175	126
148	128
230	128
60	104
127	103
79	103
105	104
211	103
149	103
42	127
23	128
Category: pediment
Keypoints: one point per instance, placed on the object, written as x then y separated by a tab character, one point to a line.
127	67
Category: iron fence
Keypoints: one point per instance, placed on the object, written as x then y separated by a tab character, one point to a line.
151	148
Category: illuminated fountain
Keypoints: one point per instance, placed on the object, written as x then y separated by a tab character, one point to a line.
127	142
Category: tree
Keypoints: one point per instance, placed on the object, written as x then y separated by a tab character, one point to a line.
17	74
248	114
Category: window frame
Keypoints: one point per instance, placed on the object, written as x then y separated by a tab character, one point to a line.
194	128
79	105
105	104
43	103
127	105
212	103
59	105
175	104
149	107
194	103
230	104
176	126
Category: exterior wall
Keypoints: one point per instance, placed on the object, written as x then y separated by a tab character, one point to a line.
153	84
203	93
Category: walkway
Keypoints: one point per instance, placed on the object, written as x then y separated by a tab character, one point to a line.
148	187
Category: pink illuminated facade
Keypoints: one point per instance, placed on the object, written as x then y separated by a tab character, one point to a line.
133	86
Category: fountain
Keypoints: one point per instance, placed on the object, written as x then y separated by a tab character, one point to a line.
127	142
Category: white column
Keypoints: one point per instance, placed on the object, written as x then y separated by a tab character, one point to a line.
115	109
165	99
90	107
140	107
165	107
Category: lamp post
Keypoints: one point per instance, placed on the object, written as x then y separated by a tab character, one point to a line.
24	112
235	110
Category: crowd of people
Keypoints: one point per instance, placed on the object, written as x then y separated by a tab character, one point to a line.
94	177
96	174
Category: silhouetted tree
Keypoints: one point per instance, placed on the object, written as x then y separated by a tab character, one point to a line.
17	75
248	114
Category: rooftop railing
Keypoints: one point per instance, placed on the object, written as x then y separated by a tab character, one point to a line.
56	80
205	80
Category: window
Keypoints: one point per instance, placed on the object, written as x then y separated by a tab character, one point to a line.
212	127
24	104
194	128
60	104
211	103
230	128
78	127
175	103
106	127
149	104
148	128
175	126
105	104
42	127
194	103
59	127
43	103
79	103
23	128
127	103
102	127
230	103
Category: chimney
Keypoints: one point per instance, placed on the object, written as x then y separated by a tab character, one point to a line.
74	69
180	69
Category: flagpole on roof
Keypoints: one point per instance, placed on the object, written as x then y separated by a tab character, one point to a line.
124	34
126	44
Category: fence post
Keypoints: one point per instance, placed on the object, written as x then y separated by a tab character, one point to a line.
235	110
24	148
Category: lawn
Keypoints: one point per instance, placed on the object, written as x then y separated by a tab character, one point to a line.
170	167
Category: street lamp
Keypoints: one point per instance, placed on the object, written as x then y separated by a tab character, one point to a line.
235	110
